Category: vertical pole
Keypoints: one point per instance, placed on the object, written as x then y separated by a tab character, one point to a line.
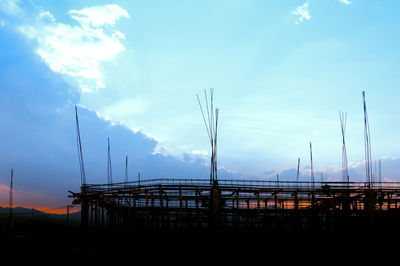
147	208
117	218
109	169
375	175
211	132
248	212
312	178
91	216
296	201
197	207
311	169
79	146
258	207
180	207
84	202
126	169
167	210
84	209
345	173
11	206
298	172
162	208
215	206
277	180
96	215
369	207
367	144
102	216
380	171
265	210
233	211
129	209
67	214
237	208
215	144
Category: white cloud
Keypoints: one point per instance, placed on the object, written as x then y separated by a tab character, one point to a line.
85	90
198	152
98	16
346	2
78	50
302	12
46	16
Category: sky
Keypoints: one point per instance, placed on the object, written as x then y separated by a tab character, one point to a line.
281	72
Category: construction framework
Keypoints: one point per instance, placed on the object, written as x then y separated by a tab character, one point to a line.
174	204
250	204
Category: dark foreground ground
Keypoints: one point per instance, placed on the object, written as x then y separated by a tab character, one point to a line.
55	243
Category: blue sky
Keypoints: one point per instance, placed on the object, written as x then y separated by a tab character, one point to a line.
281	71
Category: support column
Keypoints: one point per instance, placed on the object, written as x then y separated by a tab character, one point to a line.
215	211
84	210
369	207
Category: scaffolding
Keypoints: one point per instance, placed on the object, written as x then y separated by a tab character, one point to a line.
250	204
174	204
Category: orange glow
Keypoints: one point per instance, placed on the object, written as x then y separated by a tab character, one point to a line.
44	209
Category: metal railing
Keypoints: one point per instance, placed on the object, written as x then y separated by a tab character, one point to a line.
244	183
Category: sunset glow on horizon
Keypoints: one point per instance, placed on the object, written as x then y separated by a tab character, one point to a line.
45	209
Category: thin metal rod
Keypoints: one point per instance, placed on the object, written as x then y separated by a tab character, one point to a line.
205	123
215	142
367	144
10	201
79	146
126	169
109	168
380	170
209	118
345	172
312	169
212	130
298	170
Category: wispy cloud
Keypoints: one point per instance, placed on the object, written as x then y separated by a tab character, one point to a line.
346	2
302	12
77	51
10	7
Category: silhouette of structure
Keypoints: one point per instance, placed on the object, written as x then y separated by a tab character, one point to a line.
181	204
248	204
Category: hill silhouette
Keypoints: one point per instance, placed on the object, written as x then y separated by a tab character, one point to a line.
23	214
